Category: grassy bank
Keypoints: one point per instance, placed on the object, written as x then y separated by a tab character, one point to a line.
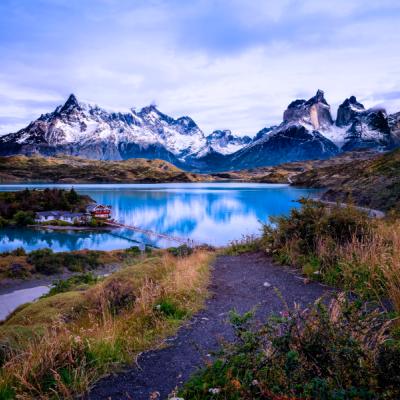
59	345
346	348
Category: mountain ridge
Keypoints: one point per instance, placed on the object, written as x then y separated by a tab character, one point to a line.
307	131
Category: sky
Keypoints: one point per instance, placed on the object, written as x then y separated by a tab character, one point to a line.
228	64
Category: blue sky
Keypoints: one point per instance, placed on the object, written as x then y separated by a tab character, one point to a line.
228	64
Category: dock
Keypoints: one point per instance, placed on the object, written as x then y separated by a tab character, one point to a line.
182	241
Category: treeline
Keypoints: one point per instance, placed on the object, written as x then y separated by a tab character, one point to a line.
19	207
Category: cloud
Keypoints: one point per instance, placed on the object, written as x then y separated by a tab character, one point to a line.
228	64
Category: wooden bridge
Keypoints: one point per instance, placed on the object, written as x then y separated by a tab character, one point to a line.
187	241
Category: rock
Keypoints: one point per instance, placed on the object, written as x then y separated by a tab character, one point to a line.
267	284
348	111
315	111
369	129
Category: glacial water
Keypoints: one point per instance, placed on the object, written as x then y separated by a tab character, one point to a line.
213	213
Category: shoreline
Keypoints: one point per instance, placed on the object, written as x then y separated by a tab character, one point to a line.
9	285
71	228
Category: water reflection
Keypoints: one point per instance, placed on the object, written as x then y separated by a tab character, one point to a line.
211	213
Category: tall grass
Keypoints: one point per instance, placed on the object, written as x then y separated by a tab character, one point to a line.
340	246
60	345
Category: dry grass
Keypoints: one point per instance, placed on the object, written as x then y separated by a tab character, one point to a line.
341	247
58	346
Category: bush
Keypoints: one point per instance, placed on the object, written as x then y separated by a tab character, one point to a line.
313	221
170	309
44	261
341	246
17	271
134	250
248	244
47	262
181	251
19	251
319	353
72	283
23	218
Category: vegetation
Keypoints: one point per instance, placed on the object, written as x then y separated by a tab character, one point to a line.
373	183
73	170
341	247
348	349
18	208
247	244
57	346
180	251
18	264
343	351
75	282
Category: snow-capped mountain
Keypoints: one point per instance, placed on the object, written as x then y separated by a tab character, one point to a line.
307	131
299	137
363	128
81	129
224	142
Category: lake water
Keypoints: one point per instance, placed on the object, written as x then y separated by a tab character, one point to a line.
10	301
213	213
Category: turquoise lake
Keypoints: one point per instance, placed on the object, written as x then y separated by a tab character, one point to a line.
212	213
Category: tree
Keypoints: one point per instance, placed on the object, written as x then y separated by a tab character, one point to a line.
72	196
23	218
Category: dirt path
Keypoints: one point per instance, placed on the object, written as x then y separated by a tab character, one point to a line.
237	283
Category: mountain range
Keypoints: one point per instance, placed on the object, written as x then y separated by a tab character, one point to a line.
307	131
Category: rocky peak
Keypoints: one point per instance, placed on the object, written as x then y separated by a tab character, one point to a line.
187	122
71	104
151	114
219	134
348	111
318	98
315	112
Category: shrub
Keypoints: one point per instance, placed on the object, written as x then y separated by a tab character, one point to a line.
170	309
247	244
19	251
17	271
181	251
47	262
134	250
313	221
318	353
23	218
44	261
341	246
72	283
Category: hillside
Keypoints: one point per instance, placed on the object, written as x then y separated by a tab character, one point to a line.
373	183
79	170
285	173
